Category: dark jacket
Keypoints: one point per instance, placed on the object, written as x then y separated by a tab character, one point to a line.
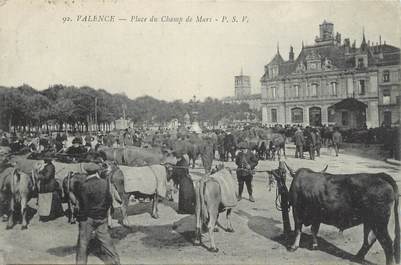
249	157
299	138
337	138
94	198
47	179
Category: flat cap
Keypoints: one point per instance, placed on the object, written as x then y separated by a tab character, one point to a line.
91	168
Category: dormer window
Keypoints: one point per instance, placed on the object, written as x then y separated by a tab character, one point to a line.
386	76
273	71
360	63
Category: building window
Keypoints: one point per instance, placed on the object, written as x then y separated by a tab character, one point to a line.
330	114
274	115
297	115
333	88
314	90
386	96
274	92
386	76
362	87
296	89
387	118
361	63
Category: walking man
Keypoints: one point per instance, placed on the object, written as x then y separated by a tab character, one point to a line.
337	140
94	201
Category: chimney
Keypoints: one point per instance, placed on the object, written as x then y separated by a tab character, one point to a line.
291	54
346	45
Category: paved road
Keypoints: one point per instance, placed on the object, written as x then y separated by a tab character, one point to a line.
257	239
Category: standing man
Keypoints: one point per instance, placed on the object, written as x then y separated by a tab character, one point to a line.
94	201
299	143
246	162
186	191
318	141
337	140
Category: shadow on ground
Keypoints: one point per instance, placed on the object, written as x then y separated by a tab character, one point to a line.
270	228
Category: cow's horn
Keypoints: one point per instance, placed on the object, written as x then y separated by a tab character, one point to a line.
324	169
290	169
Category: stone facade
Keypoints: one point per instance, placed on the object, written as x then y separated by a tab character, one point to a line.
303	90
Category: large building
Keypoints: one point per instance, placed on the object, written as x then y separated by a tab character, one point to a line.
333	82
243	94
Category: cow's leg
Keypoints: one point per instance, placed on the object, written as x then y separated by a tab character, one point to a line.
23	211
69	211
385	241
298	231
315	230
213	214
155	213
10	223
124	207
198	217
229	225
72	201
369	238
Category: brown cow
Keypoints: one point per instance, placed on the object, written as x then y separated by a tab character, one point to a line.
19	188
209	203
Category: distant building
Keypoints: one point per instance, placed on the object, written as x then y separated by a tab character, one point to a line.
242	88
122	124
312	89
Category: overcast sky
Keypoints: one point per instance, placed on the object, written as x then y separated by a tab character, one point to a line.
170	60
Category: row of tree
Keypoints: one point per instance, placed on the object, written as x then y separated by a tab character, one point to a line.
27	107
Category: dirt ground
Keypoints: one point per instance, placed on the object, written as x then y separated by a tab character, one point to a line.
168	240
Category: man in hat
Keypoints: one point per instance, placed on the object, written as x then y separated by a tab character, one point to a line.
246	162
299	143
48	184
94	200
337	140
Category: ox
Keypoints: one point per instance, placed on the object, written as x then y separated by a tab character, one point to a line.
345	201
19	188
115	175
210	202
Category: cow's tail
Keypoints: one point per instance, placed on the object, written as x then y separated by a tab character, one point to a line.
396	245
203	210
397	227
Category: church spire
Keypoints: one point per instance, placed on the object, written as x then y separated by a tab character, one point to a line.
242	72
363	43
278	48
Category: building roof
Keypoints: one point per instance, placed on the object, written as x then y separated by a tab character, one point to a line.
277	59
349	104
333	55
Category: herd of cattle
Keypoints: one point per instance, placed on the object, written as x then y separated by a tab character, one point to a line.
344	201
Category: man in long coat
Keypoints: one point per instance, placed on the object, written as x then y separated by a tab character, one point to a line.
186	191
299	143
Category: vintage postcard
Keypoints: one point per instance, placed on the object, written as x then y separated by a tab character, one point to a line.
200	132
